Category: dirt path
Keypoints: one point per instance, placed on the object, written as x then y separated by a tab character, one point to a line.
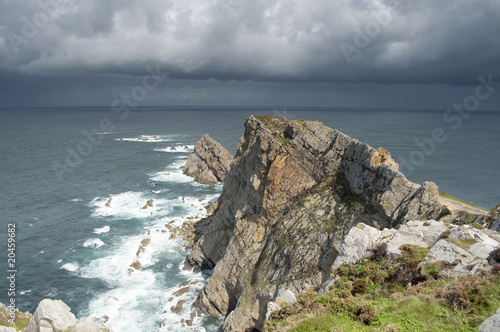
457	206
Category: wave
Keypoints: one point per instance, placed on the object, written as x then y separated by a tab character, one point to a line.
101	230
147	139
93	242
129	205
71	267
177	149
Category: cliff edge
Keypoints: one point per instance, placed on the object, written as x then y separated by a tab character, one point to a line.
293	192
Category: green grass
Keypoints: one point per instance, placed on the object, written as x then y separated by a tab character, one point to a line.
445	195
462	243
367	297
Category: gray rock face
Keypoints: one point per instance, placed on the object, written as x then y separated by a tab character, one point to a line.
292	194
87	325
51	316
7	329
360	241
56	316
209	162
491	324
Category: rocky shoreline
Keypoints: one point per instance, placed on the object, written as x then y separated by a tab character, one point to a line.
301	200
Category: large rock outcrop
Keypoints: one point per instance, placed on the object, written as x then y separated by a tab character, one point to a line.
292	194
209	162
56	316
466	249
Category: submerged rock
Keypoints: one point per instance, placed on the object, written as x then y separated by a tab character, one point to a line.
209	162
293	192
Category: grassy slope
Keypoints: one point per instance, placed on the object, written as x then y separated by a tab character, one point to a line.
377	296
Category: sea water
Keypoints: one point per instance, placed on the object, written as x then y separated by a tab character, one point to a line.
59	168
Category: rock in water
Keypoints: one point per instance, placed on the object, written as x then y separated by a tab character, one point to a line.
293	192
51	315
209	162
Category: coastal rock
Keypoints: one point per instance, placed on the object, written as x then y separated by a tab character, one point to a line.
87	325
493	219
293	192
51	316
491	324
209	162
7	329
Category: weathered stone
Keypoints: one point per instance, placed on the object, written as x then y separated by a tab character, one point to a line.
491	324
87	325
209	162
51	316
136	265
7	329
176	309
267	233
422	234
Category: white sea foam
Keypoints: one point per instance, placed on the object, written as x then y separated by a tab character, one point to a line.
177	149
129	205
146	292
71	267
147	139
173	173
102	230
93	242
76	200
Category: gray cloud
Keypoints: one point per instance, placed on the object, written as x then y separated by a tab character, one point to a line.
389	42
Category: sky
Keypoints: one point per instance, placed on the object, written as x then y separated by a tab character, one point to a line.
404	54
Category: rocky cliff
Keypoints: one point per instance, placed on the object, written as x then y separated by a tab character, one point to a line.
292	194
209	162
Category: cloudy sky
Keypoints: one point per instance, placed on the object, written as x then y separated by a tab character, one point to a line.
408	54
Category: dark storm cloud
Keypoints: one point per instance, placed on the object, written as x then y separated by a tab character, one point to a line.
358	41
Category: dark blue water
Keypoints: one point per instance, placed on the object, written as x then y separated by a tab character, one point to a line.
59	167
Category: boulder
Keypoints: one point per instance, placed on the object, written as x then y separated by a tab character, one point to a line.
491	324
87	325
209	162
51	316
7	329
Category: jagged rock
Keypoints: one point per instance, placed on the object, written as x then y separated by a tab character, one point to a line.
493	219
136	265
491	324
479	248
209	162
359	241
283	299
51	316
293	192
178	307
422	234
87	325
7	329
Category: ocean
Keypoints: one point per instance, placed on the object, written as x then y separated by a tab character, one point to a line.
59	168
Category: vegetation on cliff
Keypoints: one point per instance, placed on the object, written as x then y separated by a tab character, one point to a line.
376	294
